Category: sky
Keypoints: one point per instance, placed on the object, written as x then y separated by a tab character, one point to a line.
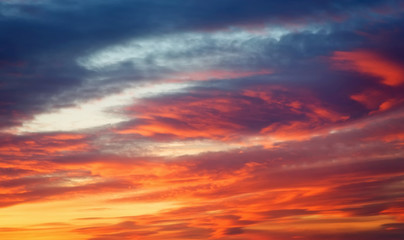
201	119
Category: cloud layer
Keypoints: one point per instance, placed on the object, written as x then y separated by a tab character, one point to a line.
201	120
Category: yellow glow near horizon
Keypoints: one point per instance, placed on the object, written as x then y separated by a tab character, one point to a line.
69	211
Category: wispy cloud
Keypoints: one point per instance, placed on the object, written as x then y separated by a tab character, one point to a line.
201	120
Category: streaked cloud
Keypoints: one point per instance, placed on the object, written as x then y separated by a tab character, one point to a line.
201	120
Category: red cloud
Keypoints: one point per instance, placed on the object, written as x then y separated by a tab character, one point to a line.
227	116
390	73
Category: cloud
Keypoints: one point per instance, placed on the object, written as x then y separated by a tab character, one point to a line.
369	63
228	115
47	68
201	120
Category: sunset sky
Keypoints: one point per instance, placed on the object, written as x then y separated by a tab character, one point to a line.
201	119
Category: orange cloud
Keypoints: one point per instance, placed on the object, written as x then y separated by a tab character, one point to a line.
42	144
347	182
226	116
370	98
377	100
390	73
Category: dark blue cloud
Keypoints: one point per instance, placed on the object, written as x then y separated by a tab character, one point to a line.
42	41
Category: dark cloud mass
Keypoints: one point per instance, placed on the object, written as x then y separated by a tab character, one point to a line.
201	119
43	39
